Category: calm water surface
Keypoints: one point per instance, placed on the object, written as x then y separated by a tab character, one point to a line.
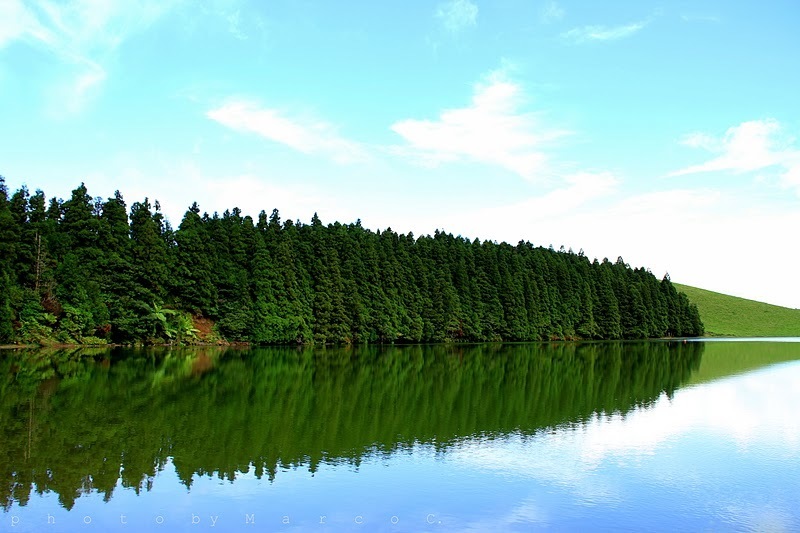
658	436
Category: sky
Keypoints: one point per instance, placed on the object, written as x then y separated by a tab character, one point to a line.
660	132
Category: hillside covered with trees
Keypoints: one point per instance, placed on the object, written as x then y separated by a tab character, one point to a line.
92	270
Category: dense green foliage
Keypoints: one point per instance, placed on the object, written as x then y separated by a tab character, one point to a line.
91	271
75	423
729	316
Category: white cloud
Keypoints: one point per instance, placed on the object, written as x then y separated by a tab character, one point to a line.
744	148
306	136
603	33
552	12
17	22
82	34
458	15
751	146
490	130
581	189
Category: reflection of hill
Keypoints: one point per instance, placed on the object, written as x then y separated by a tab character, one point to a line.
722	359
72	424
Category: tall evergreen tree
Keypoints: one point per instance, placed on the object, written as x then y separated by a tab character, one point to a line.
194	265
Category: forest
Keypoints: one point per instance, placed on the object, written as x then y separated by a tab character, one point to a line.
94	271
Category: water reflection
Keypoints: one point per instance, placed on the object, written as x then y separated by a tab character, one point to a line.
77	422
721	456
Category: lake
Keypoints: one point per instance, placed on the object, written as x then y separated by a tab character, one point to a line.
639	436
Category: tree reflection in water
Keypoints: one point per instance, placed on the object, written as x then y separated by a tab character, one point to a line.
77	421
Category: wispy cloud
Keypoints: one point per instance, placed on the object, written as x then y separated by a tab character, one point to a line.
587	34
71	95
235	25
552	12
751	146
458	15
309	136
700	18
491	130
18	22
233	16
743	148
701	140
82	34
577	192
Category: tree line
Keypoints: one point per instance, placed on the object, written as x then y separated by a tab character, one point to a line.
92	270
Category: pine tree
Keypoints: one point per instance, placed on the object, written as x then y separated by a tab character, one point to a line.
607	313
194	272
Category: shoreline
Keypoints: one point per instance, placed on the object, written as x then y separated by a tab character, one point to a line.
242	344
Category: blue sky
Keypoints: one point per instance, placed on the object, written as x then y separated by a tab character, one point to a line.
662	132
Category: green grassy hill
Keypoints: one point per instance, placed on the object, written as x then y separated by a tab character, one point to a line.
725	315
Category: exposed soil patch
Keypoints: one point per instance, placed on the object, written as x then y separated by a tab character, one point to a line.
204	327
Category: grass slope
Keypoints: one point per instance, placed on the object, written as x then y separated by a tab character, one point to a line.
725	315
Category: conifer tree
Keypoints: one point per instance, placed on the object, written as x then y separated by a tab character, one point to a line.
194	272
